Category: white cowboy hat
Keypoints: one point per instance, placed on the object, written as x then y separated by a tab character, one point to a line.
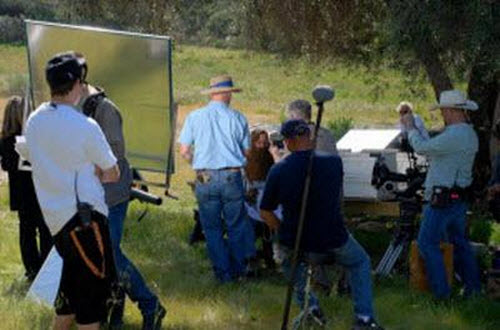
221	84
456	100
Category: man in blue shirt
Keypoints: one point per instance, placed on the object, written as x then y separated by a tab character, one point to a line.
451	156
220	137
324	231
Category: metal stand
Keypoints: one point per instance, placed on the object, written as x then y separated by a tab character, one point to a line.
301	319
403	236
305	195
400	243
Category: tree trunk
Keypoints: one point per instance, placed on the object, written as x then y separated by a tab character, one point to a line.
495	136
484	87
428	55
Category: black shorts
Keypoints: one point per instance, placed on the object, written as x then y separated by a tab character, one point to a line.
81	291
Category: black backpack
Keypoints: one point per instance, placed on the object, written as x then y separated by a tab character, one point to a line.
90	105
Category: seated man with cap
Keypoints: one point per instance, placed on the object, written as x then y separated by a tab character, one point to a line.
451	157
71	158
220	138
324	231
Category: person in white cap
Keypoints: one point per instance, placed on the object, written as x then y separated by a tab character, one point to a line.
221	138
405	108
451	157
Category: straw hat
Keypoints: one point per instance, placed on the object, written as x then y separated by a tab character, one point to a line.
454	99
221	84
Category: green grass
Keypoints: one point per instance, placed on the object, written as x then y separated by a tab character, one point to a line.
369	97
180	274
269	82
182	277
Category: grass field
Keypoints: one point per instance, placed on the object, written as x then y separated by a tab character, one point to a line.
181	274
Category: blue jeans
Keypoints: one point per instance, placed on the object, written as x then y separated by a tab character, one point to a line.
439	224
221	201
353	257
131	281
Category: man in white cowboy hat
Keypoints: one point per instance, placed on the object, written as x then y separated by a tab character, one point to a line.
220	137
451	156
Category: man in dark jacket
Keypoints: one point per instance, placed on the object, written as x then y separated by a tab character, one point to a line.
97	105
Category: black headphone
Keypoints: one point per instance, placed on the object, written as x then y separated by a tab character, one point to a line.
64	68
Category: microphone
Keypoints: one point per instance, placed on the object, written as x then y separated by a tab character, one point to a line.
323	93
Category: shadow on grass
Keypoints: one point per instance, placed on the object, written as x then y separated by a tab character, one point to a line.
182	276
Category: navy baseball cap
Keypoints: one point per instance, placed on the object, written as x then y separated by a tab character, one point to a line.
293	128
65	68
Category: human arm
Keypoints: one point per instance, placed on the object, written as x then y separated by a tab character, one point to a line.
107	115
186	140
186	153
100	154
444	143
245	138
270	219
420	126
270	199
109	175
275	153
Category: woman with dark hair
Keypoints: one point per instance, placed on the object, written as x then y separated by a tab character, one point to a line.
22	193
259	162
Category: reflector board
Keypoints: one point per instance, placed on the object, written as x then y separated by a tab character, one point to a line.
133	69
357	140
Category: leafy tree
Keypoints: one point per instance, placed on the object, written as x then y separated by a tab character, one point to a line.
316	28
455	40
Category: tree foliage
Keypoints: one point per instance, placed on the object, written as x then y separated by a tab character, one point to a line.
316	28
452	41
455	41
200	21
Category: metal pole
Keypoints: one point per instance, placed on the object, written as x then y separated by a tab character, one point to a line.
303	208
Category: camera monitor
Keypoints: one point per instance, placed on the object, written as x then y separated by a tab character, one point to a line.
134	70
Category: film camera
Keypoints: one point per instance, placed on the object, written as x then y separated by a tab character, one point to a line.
410	204
276	139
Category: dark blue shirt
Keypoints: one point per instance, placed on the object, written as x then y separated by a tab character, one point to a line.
324	226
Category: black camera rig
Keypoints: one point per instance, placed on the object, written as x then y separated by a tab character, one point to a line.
410	205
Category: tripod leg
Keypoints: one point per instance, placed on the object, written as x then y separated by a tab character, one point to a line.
383	261
392	261
302	317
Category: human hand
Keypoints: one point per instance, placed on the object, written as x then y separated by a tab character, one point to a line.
275	152
98	172
408	121
108	176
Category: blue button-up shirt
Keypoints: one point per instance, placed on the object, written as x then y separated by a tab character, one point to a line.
450	155
219	134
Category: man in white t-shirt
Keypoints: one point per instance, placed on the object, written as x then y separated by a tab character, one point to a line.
70	158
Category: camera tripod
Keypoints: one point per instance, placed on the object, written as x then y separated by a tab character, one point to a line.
404	234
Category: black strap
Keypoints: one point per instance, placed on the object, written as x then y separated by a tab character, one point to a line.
90	105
